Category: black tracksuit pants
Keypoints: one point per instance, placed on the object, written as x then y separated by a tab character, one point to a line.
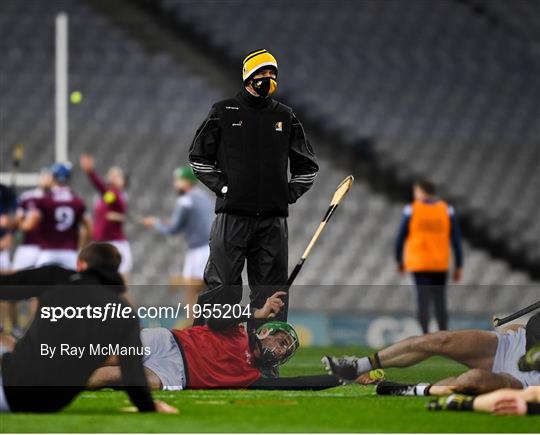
235	239
431	287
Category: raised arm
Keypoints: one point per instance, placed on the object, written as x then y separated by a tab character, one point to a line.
86	162
178	217
203	154
272	306
303	164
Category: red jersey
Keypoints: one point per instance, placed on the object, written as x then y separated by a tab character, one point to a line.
27	201
61	214
217	359
110	200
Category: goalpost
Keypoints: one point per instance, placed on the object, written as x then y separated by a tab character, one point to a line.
61	80
61	139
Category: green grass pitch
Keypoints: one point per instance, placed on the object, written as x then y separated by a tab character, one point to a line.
344	409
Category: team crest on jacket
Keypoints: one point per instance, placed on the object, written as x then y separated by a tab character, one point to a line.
279	126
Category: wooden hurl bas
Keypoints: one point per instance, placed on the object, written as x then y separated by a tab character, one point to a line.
339	194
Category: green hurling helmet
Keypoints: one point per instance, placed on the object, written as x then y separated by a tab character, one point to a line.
268	356
186	173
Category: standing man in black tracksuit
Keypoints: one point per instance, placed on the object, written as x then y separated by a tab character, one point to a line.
242	152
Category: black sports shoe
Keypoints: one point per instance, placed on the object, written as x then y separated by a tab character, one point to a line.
345	367
387	388
531	360
454	402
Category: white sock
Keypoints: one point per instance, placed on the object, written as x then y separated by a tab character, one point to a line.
363	365
421	389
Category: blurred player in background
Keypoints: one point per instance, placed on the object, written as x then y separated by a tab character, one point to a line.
110	210
192	215
428	228
8	204
242	152
27	252
61	216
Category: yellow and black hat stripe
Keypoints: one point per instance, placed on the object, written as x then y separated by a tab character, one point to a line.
256	61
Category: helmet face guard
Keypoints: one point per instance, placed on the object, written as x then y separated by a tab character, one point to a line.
269	357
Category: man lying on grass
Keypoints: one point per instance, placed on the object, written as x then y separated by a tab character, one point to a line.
33	377
501	402
221	354
492	359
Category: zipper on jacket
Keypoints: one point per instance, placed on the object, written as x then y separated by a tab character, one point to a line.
260	125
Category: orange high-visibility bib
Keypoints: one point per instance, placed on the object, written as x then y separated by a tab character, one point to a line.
427	248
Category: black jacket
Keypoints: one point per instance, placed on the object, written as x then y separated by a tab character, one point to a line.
247	143
37	383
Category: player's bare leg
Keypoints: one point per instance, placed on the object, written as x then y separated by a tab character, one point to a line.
7	343
475	349
125	278
111	376
193	288
128	298
474	381
33	304
14	319
8	310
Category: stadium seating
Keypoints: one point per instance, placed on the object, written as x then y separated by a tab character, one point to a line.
139	111
141	107
447	93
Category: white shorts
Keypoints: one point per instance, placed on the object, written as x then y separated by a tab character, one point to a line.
61	257
25	257
510	349
165	359
5	263
195	262
4	407
124	248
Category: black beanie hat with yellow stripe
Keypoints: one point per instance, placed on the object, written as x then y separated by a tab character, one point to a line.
257	61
